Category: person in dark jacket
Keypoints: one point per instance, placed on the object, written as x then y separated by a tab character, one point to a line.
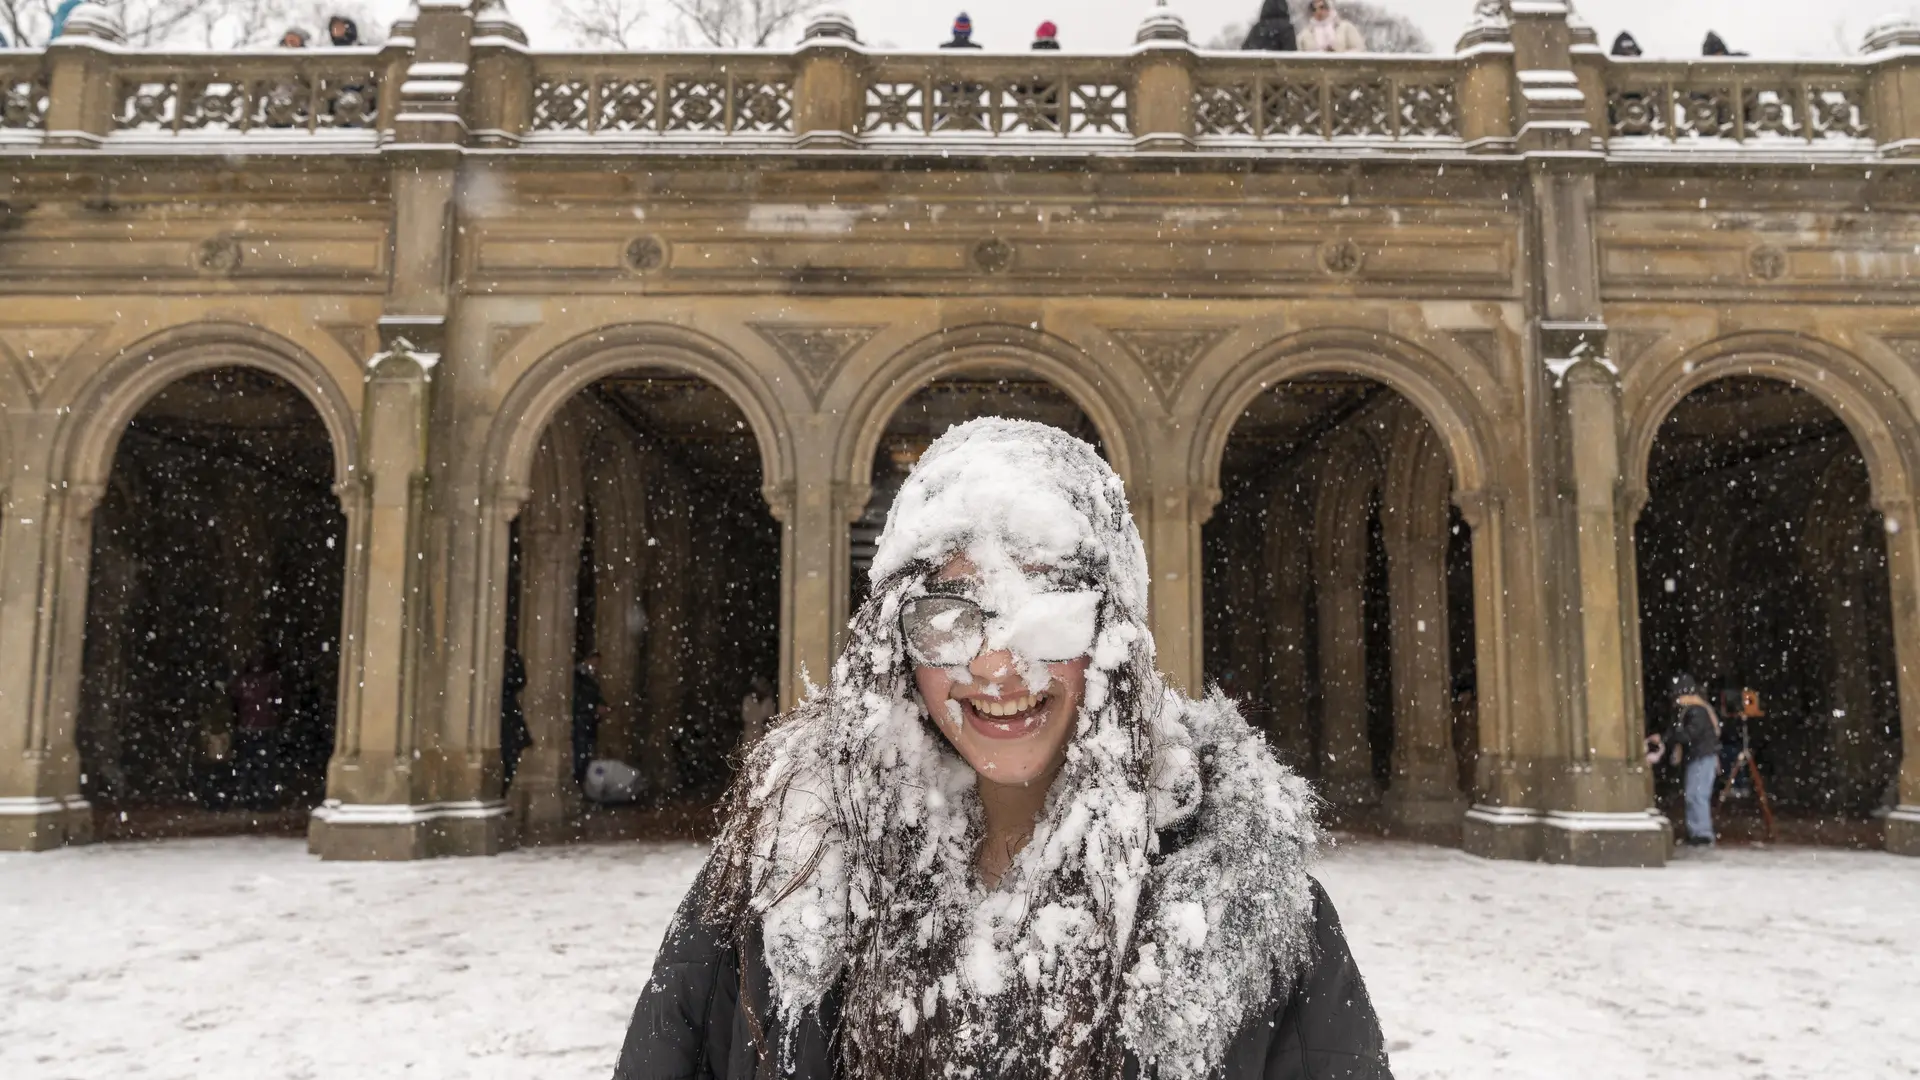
1047	38
962	34
343	32
589	708
996	843
1274	30
514	736
1715	46
1694	738
1626	45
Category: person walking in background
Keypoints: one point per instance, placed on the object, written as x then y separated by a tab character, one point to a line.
256	712
514	736
1047	38
1327	32
1694	739
1274	31
1626	45
294	38
589	708
962	34
343	32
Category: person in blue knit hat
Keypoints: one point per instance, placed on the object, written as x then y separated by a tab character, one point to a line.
962	34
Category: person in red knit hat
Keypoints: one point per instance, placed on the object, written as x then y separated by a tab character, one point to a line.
1047	37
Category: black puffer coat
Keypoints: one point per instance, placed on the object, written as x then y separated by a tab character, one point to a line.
1274	31
689	1024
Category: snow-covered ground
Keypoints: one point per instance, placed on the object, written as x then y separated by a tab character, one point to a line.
245	959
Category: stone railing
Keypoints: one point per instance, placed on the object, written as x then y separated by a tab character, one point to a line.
23	93
284	92
1739	103
1050	96
1326	98
661	95
474	81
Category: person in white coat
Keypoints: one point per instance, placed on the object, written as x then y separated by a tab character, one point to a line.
1326	31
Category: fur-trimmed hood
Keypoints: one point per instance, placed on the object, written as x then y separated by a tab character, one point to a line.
1163	898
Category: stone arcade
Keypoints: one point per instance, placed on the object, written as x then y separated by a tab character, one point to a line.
1464	399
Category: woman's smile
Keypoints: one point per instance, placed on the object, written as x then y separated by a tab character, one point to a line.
1004	717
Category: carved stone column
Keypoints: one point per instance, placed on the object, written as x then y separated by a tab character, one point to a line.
1605	814
829	96
620	558
544	794
1163	83
1289	582
45	549
1423	799
670	627
1903	570
1343	493
379	804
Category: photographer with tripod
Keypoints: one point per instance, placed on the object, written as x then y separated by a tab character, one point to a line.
1695	741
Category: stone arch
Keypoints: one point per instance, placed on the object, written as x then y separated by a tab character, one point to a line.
1447	403
1841	381
547	384
101	411
960	349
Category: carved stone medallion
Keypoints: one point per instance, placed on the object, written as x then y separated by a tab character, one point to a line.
219	255
1767	263
993	255
646	254
1342	258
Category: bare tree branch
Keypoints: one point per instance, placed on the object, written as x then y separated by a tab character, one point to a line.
209	24
735	24
612	24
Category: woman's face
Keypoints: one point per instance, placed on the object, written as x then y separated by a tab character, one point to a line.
1321	9
1008	731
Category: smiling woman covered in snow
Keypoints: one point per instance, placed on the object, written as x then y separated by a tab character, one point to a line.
996	844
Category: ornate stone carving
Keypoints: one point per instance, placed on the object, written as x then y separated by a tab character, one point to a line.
1342	258
1768	263
1169	353
38	352
1630	345
1908	346
504	338
219	255
646	254
993	255
352	337
815	352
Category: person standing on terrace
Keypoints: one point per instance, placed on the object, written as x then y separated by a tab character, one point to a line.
1274	31
962	34
1328	32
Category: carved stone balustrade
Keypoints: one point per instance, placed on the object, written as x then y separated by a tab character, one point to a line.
1746	104
249	94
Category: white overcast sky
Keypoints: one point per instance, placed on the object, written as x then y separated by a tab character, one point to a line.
1665	27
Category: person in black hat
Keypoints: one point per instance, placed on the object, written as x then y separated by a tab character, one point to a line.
962	34
1626	45
343	32
1274	31
1695	740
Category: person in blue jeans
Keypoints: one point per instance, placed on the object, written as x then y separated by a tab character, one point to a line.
1695	739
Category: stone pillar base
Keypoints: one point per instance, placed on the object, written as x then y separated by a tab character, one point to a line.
390	832
1580	838
1427	819
1501	832
44	823
1903	831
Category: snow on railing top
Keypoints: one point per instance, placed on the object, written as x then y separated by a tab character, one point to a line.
1224	102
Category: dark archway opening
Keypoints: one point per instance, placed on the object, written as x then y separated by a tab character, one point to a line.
211	662
655	557
1763	567
1301	613
943	403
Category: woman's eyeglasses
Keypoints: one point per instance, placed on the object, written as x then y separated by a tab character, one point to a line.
949	631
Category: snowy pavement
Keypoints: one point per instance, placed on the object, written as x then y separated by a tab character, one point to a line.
244	958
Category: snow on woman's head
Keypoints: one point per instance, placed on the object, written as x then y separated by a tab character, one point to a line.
1017	499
